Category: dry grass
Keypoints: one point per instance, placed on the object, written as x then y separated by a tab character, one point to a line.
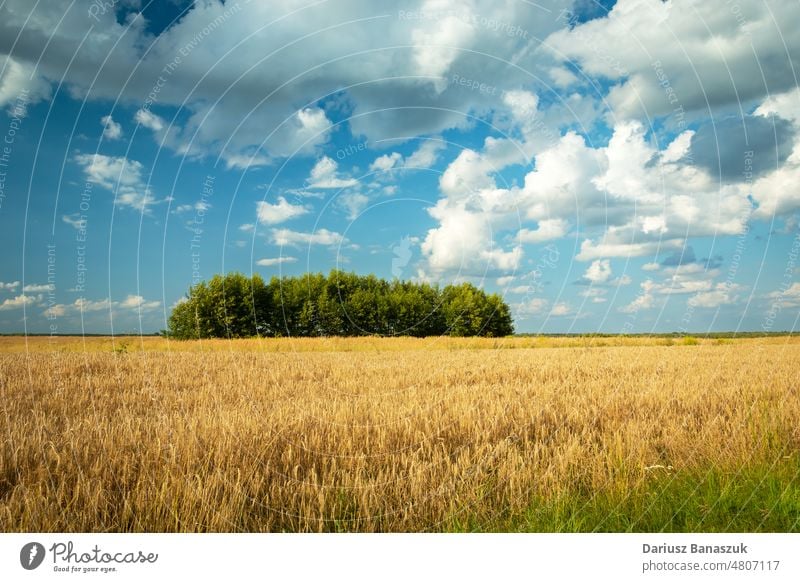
394	435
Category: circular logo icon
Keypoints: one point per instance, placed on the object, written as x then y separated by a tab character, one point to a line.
31	555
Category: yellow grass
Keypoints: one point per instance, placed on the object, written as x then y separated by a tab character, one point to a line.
373	434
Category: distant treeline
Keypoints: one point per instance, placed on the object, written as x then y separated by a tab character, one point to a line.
339	304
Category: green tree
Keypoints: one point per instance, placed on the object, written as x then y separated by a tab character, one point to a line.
234	305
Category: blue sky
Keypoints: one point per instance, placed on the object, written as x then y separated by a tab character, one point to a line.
628	167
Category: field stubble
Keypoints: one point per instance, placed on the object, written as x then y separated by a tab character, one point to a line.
399	435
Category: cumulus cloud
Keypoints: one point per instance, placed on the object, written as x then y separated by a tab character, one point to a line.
119	175
722	294
36	288
111	129
426	154
325	175
279	212
386	162
720	60
150	120
286	237
271	262
129	304
598	272
643	301
18	302
561	309
547	229
139	303
21	84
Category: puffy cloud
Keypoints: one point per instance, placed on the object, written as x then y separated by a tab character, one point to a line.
532	306
11	286
561	310
325	175
386	162
720	60
111	129
596	294
722	294
619	248
599	271
280	212
548	229
353	203
138	303
87	305
131	303
251	74
119	175
644	300
286	237
21	85
426	154
74	220
150	120
463	242
37	288
18	302
275	261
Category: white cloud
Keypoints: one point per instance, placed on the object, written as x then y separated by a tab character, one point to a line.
275	261
247	227
720	61
533	306
280	212
547	229
18	302
435	40
87	305
246	160
138	303
599	272
651	267
386	162
463	242
119	175
596	294
150	120
722	294
20	84
426	155
353	203
74	220
183	208
645	299
286	237
36	288
561	309
324	175
131	303
590	251
12	286
111	129
57	310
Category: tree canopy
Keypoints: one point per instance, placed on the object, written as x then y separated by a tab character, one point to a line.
341	304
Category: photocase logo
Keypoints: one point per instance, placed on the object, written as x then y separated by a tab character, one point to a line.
31	555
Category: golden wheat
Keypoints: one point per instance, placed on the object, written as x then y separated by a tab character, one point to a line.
370	434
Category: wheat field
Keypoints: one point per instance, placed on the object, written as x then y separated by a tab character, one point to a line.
375	434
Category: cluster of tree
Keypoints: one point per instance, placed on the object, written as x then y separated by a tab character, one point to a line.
341	304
